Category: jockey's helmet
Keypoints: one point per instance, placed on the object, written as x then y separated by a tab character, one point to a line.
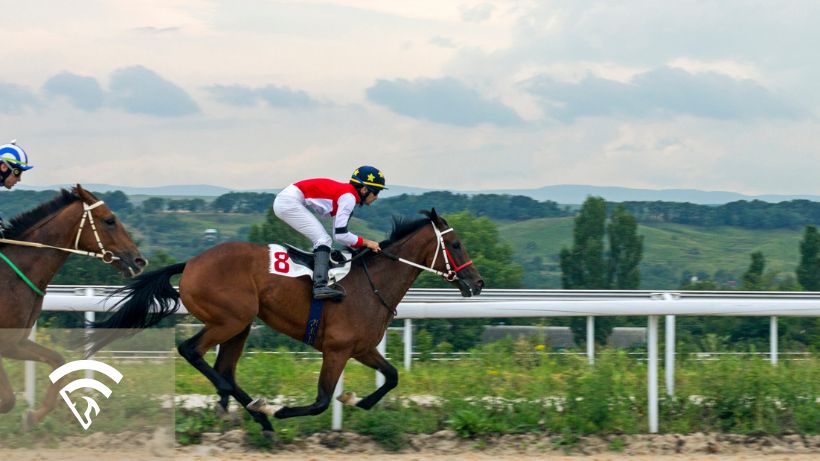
370	177
14	156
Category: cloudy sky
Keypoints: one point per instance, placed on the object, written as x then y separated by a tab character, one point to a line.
465	95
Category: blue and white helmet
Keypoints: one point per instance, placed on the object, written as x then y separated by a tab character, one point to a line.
15	156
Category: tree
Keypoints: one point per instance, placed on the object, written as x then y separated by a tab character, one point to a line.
808	271
625	251
583	266
243	202
116	200
753	277
153	205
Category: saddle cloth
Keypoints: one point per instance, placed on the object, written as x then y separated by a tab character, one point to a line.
293	262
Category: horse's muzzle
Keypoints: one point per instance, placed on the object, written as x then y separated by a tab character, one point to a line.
479	285
470	288
131	266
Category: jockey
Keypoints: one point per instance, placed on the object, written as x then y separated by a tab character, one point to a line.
13	162
328	198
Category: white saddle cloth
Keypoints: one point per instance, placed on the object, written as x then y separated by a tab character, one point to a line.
282	264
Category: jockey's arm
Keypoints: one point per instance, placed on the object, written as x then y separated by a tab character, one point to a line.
341	233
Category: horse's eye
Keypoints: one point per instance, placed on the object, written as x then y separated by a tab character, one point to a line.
110	221
456	245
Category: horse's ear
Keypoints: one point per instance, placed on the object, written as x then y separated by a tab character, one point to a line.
433	215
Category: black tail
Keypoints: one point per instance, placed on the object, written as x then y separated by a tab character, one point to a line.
148	299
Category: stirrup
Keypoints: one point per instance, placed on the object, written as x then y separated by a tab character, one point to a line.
327	292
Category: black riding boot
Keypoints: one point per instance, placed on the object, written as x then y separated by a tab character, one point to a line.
321	263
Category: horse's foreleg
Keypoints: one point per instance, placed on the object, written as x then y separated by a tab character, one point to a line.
375	360
7	398
333	363
225	365
29	350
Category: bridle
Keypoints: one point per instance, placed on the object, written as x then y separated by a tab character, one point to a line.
105	255
452	269
450	274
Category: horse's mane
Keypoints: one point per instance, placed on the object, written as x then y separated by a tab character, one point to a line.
23	222
404	226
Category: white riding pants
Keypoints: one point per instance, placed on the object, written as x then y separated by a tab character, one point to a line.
290	206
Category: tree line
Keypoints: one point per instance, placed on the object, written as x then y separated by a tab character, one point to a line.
753	214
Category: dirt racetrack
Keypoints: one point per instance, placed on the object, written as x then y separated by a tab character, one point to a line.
205	455
441	446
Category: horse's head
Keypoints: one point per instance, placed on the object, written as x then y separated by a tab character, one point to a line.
101	232
452	259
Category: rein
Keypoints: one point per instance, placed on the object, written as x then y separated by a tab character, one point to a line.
376	290
105	255
450	275
451	272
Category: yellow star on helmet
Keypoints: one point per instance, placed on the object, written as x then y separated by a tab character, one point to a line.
381	175
371	178
356	173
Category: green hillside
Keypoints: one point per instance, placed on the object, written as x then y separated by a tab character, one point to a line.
669	250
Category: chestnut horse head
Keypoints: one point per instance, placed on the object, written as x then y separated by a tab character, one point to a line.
33	250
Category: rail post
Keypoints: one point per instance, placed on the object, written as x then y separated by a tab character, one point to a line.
652	375
408	344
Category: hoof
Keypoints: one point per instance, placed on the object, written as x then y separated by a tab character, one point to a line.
270	435
349	398
260	405
257	404
221	411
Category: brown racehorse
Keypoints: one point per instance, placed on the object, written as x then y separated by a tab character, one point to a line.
75	222
229	285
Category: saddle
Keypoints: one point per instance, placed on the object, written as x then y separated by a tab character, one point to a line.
305	258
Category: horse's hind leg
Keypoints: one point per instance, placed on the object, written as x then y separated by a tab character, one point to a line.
225	365
7	398
375	360
193	350
29	350
226	360
333	363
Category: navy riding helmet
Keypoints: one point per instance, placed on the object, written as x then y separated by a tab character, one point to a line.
369	177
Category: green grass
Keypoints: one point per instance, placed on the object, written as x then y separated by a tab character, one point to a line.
493	392
669	249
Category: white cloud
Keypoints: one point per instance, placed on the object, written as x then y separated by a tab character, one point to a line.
716	95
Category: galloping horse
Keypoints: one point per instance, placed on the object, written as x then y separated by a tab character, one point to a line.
229	285
32	251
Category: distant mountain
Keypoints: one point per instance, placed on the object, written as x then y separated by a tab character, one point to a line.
576	194
569	194
193	190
